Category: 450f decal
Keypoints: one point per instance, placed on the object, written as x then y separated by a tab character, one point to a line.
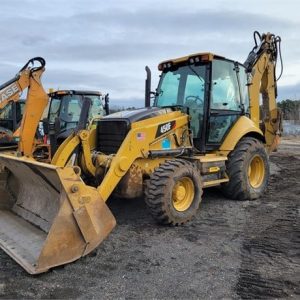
165	127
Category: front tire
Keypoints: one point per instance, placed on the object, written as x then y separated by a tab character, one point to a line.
248	170
173	192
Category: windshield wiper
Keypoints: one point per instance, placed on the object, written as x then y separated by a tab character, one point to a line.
201	79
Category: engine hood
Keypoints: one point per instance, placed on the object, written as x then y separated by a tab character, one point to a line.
136	115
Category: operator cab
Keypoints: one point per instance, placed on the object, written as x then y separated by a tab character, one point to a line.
212	89
10	120
66	105
64	112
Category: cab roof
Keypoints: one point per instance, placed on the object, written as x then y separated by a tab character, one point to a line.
203	56
75	92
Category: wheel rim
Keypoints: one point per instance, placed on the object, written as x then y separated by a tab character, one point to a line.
256	171
183	194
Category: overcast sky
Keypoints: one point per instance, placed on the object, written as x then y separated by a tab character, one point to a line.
105	45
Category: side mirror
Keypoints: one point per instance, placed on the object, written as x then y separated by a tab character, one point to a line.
46	128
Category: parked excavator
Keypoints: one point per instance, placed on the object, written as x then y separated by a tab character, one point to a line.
204	129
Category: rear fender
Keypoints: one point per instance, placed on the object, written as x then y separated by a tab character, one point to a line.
243	127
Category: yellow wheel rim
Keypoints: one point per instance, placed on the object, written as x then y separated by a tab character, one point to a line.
256	171
183	194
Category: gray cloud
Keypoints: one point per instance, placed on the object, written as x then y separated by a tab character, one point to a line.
289	92
97	44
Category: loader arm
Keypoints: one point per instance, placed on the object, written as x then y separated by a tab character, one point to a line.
261	67
131	149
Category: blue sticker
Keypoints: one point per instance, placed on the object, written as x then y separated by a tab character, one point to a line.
166	144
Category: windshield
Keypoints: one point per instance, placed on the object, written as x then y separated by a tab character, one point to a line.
184	86
96	109
181	86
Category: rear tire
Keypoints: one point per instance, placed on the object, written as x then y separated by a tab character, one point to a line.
248	170
173	192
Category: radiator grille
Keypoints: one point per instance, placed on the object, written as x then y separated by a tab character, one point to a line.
110	135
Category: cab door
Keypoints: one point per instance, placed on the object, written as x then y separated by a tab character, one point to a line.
225	105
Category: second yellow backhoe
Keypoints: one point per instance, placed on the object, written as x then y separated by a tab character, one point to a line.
205	129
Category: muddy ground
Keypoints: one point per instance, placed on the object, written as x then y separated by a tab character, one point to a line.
230	250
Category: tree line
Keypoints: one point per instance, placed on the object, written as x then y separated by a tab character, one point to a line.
290	109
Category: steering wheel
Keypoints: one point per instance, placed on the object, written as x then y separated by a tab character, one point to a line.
64	119
195	99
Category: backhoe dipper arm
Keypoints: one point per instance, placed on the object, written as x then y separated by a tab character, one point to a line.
261	67
37	99
36	103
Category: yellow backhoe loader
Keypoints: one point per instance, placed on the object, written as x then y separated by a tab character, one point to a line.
205	129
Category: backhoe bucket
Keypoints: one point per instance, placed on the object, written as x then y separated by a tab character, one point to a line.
48	216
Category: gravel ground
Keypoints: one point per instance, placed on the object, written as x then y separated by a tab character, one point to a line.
231	249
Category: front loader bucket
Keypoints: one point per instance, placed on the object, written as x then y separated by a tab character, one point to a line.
48	216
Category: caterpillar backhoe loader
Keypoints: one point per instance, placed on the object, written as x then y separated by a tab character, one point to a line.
205	129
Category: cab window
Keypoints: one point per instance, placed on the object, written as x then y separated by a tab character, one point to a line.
54	109
96	109
7	112
225	89
225	101
184	86
244	88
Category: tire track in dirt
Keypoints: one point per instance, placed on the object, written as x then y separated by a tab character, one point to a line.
271	249
231	249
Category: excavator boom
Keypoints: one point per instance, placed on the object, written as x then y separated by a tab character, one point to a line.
261	66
